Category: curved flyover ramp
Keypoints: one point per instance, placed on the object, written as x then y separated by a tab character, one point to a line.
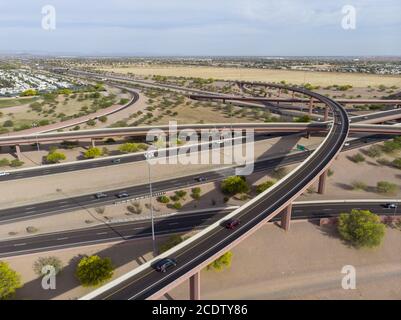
195	253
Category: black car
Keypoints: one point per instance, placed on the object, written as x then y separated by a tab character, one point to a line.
116	160
232	224
391	206
201	179
122	195
164	264
100	195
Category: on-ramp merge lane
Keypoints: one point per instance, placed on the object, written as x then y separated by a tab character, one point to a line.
196	252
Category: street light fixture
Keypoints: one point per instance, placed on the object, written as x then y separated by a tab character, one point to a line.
150	155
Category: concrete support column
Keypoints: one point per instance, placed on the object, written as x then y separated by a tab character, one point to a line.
279	92
311	106
286	218
93	141
18	152
322	182
326	114
194	286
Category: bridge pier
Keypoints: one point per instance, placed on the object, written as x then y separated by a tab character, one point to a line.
93	142
322	182
286	218
194	286
311	106
18	152
326	114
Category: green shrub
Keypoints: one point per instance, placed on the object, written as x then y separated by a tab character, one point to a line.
92	152
361	228
163	199
387	187
177	205
234	184
264	186
94	271
55	157
359	185
16	163
10	281
357	158
4	162
103	119
91	122
222	262
397	163
180	194
196	190
374	151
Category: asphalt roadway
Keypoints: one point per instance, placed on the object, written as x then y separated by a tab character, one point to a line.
89	201
173	224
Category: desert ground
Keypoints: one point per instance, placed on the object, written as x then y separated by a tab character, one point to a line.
296	77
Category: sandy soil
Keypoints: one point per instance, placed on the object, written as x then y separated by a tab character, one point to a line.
346	172
296	77
304	263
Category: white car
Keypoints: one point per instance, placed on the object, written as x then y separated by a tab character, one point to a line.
4	173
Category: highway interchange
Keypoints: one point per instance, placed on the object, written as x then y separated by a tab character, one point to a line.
88	201
214	239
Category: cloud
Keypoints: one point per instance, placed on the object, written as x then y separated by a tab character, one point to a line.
232	27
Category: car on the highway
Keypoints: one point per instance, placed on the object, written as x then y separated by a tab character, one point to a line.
3	173
100	195
164	264
232	224
201	179
390	205
347	144
122	194
116	160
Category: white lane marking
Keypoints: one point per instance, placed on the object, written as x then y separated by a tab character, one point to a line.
64	238
19	244
100	233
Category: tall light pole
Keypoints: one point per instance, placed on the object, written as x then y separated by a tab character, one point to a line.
149	155
34	125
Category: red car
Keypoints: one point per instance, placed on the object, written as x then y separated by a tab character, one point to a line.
232	224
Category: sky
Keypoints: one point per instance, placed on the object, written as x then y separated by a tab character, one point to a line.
202	27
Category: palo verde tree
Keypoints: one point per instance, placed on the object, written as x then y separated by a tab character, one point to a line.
94	270
361	228
221	263
10	281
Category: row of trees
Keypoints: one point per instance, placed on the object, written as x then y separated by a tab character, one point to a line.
90	271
